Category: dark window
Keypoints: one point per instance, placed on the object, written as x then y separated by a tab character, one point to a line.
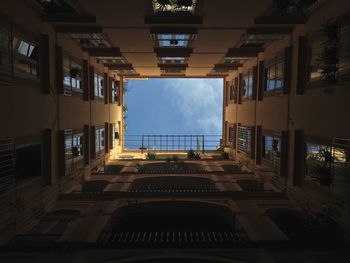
100	139
247	90
244	139
28	162
275	76
173	40
271	151
73	150
231	134
232	93
114	91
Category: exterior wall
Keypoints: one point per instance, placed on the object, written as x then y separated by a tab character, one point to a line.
315	112
25	111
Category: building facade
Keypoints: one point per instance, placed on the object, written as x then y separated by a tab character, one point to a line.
275	190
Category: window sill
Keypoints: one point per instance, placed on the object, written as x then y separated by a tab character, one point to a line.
272	93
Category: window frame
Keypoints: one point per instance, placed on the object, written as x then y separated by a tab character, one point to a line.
244	139
99	88
69	88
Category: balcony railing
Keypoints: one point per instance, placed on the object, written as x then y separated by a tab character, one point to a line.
172	143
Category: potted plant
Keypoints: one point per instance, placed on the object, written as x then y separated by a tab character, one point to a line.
151	156
186	3
323	168
225	155
74	72
329	57
163	2
75	151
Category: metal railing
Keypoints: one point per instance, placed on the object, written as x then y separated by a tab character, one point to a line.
171	143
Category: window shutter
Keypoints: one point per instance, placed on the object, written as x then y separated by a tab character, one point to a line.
302	65
240	88
227	93
284	153
92	143
85	80
299	154
252	143
236	90
120	92
106	88
258	144
47	156
86	144
255	82
261	86
59	70
61	153
234	136
111	136
110	80
107	137
45	63
225	133
92	82
287	70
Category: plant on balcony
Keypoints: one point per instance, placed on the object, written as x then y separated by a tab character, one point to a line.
174	164
193	155
140	168
75	72
225	155
322	170
186	3
329	57
151	156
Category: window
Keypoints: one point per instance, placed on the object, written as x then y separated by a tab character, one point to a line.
114	91
99	139
244	139
73	150
315	71
28	162
271	151
72	75
25	57
231	135
115	134
271	147
275	74
174	6
232	93
98	86
247	84
174	40
173	60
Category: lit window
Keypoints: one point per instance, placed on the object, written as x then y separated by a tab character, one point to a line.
98	86
174	6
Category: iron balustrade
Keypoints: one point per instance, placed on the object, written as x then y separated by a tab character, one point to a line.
171	143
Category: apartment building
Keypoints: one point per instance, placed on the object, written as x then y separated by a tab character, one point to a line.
275	190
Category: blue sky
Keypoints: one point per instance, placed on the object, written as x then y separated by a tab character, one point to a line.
174	106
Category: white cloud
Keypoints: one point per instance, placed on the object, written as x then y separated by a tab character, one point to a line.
199	101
